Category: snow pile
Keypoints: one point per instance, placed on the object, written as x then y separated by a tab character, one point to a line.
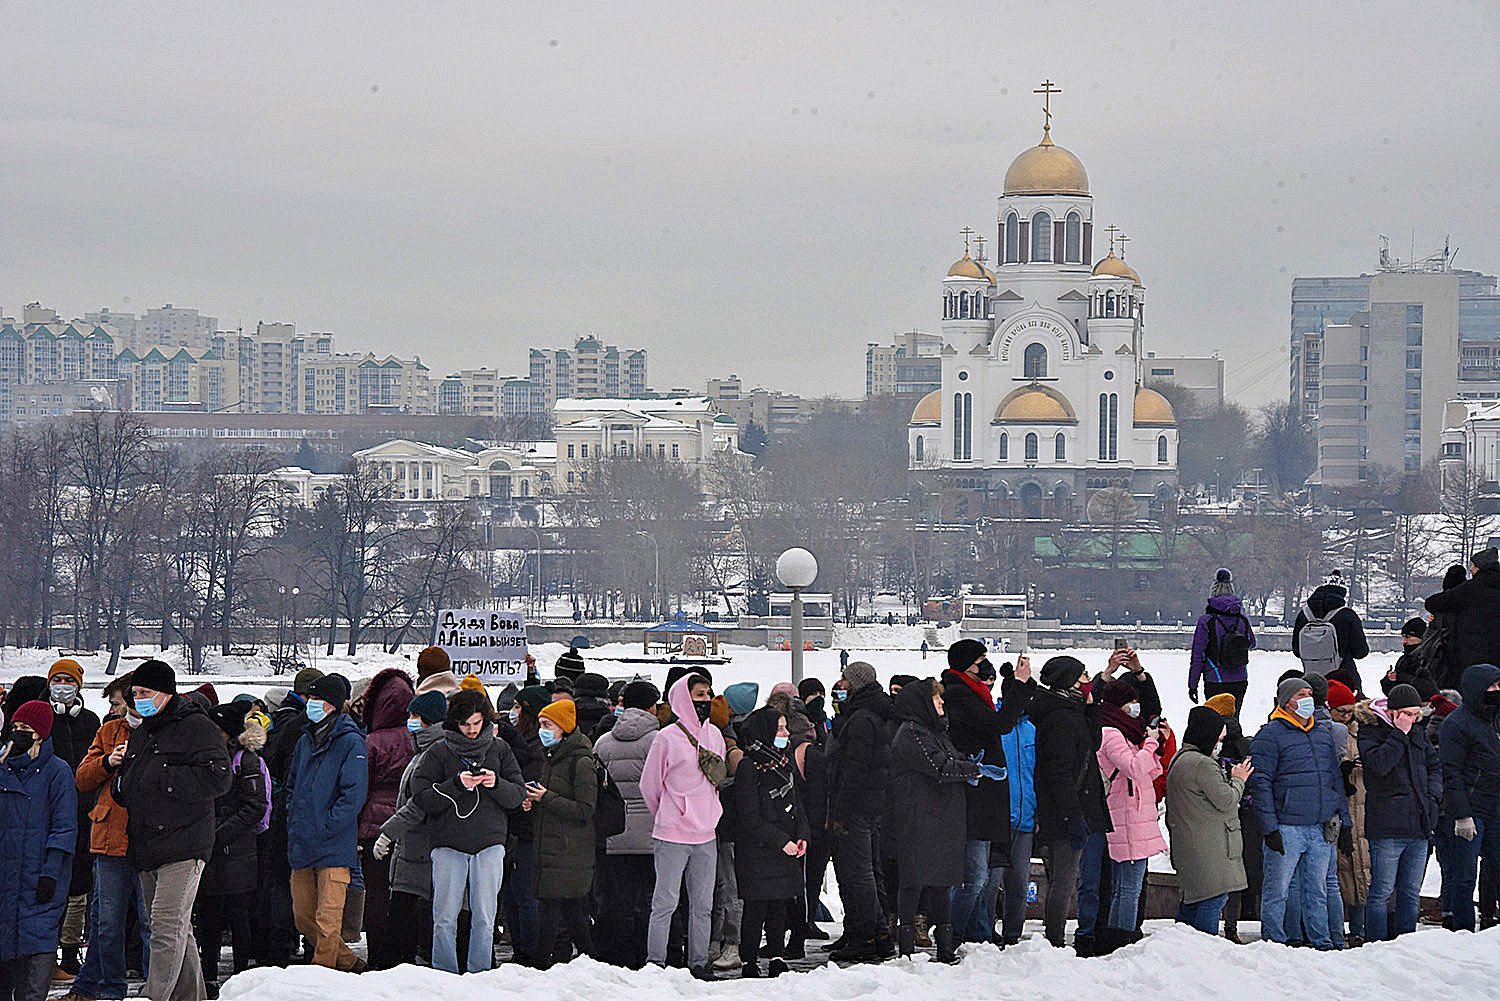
1173	961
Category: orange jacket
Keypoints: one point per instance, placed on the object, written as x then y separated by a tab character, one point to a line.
107	836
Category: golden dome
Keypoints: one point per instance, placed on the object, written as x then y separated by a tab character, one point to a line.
929	409
1035	404
1046	169
967	267
1113	267
1152	409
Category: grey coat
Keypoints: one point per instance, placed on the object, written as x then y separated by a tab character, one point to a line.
1203	817
411	858
623	750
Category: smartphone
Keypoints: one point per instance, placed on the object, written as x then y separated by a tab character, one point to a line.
1122	643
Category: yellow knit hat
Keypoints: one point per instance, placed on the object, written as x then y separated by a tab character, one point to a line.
563	713
1223	704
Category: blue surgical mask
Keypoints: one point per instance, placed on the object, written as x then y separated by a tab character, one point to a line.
619	711
414	725
316	710
1305	707
840	694
1133	710
146	708
781	742
548	737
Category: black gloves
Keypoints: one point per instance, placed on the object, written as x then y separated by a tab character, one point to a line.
1346	841
1273	842
46	887
1193	694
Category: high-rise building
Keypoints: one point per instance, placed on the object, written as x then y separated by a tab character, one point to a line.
475	392
172	326
590	370
911	365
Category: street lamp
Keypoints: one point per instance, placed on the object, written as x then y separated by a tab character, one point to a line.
656	552
796	569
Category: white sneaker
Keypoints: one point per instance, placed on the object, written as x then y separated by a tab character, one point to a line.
729	959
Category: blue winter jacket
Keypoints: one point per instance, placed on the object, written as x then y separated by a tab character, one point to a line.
38	828
325	790
1020	763
1296	782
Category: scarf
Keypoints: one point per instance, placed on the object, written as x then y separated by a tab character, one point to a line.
979	688
471	748
766	758
1133	727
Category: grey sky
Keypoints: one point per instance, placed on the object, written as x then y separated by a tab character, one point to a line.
758	188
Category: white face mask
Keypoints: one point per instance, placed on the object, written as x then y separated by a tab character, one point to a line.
1133	710
132	720
1218	750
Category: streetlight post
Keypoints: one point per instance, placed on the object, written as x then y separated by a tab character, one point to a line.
796	569
537	607
656	555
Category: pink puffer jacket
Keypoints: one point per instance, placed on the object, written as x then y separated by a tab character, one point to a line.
1132	799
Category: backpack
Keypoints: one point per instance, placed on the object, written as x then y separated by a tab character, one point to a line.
265	786
609	807
1318	643
1228	647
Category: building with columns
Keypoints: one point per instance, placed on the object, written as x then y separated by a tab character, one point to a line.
1043	401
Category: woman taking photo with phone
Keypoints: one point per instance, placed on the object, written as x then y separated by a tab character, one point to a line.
465	784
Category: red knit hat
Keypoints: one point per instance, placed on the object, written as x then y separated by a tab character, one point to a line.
1339	694
37	715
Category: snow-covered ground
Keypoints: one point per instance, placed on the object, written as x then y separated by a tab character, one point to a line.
1172	962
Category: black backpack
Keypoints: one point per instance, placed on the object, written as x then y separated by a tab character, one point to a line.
609	808
1227	646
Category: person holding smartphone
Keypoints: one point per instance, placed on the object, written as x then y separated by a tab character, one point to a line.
465	785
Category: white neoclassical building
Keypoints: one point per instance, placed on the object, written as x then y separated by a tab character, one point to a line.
1042	399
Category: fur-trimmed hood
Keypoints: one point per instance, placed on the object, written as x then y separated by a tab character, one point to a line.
254	736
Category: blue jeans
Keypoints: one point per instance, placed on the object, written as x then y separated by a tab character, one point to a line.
1305	845
1466	869
482	873
1396	865
1128	878
1089	864
1204	914
1446	848
968	898
117	889
1335	900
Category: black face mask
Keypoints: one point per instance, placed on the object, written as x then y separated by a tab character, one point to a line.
1492	699
985	672
703	709
20	743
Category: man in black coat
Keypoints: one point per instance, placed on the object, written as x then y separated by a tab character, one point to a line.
174	767
976	726
1469	748
1473	608
859	769
1069	789
1330	601
73	729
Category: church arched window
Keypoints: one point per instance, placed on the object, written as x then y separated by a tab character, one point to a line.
1041	237
1004	446
1012	239
921	449
1073	239
1109	304
1034	362
1060	448
1161	450
1031	446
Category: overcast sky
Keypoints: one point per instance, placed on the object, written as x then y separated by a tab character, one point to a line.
758	188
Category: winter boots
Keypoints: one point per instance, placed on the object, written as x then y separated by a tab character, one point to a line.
924	941
906	941
946	951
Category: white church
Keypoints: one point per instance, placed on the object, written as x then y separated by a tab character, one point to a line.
1042	401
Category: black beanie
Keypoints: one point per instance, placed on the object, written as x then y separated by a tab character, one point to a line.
331	688
641	695
590	684
1203	728
1415	626
1062	673
1319	686
157	675
810	687
1403	697
964	653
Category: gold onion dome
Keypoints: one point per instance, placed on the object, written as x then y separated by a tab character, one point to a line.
1114	267
1152	409
1046	169
1037	404
929	409
967	267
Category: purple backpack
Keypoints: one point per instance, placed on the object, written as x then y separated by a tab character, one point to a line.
265	785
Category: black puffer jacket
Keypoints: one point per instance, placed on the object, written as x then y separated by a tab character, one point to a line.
237	815
1403	777
71	737
976	726
1068	784
1469	748
1473	608
768	813
859	759
928	776
175	767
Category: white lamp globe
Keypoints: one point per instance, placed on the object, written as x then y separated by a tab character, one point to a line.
796	569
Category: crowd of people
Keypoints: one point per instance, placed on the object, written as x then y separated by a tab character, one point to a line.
694	827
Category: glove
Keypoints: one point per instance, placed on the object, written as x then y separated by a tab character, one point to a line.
1347	768
1346	841
1193	695
1464	828
1273	842
992	772
382	847
46	886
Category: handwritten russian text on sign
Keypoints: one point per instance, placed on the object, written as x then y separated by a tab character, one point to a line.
490	645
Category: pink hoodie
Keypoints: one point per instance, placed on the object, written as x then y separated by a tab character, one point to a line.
685	805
